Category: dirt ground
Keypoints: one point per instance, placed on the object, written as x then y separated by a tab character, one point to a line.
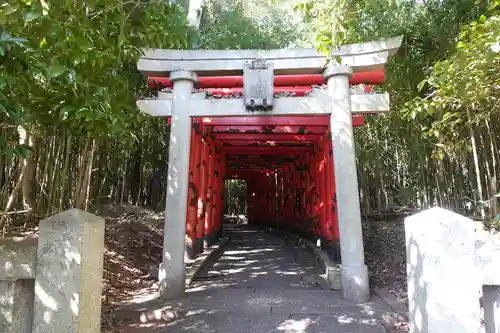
385	255
133	243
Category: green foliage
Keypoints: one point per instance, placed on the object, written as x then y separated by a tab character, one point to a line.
446	66
76	68
68	90
468	79
236	25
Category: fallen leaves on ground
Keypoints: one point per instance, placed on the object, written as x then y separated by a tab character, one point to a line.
132	254
385	255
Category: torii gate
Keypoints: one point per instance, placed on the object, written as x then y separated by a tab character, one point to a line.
258	105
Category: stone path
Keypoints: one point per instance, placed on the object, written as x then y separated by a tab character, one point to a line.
262	283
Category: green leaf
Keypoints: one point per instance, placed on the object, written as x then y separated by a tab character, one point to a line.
33	15
421	85
55	71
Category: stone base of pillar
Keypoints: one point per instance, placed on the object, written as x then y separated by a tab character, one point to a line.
171	287
355	286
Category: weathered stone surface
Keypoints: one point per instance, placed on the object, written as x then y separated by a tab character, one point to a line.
333	276
438	242
488	258
16	306
491	306
18	258
68	284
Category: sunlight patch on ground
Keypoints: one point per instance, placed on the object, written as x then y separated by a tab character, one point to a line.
295	326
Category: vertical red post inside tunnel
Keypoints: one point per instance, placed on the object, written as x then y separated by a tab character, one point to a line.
309	197
279	196
305	190
192	200
286	188
295	197
293	201
273	197
204	179
315	192
332	199
216	193
209	237
301	191
321	190
219	199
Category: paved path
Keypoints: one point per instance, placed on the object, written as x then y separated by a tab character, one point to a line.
262	283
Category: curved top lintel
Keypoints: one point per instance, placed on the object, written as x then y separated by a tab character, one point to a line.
361	57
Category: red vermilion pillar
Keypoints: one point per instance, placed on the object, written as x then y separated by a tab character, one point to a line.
332	198
293	199
192	221
279	197
328	228
215	195
316	194
298	192
322	193
307	196
272	213
200	231
208	202
270	198
286	197
302	188
328	201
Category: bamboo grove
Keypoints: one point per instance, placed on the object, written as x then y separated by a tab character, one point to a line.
71	136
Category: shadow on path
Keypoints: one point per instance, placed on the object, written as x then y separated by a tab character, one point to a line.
261	283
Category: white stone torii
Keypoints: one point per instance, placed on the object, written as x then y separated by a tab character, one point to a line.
183	67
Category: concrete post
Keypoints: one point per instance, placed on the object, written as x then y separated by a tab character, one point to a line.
172	270
17	284
354	272
69	268
443	280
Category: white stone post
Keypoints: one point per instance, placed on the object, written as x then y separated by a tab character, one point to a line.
354	273
69	268
172	270
17	284
443	280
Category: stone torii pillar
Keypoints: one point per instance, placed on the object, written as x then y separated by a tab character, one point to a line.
354	273
172	270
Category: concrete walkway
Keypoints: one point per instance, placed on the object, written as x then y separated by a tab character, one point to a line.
262	283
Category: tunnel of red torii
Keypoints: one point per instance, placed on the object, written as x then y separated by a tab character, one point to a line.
282	120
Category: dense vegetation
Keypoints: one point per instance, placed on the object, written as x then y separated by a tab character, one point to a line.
71	136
